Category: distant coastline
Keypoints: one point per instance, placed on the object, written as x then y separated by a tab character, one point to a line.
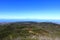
33	20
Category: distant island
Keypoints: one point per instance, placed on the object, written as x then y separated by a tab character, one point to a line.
29	30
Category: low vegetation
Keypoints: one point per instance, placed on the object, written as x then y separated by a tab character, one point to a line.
29	31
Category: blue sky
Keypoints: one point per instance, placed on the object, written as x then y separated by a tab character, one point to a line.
30	9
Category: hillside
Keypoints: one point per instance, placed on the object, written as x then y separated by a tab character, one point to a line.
30	31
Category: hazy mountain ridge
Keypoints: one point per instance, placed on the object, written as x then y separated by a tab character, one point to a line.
11	31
